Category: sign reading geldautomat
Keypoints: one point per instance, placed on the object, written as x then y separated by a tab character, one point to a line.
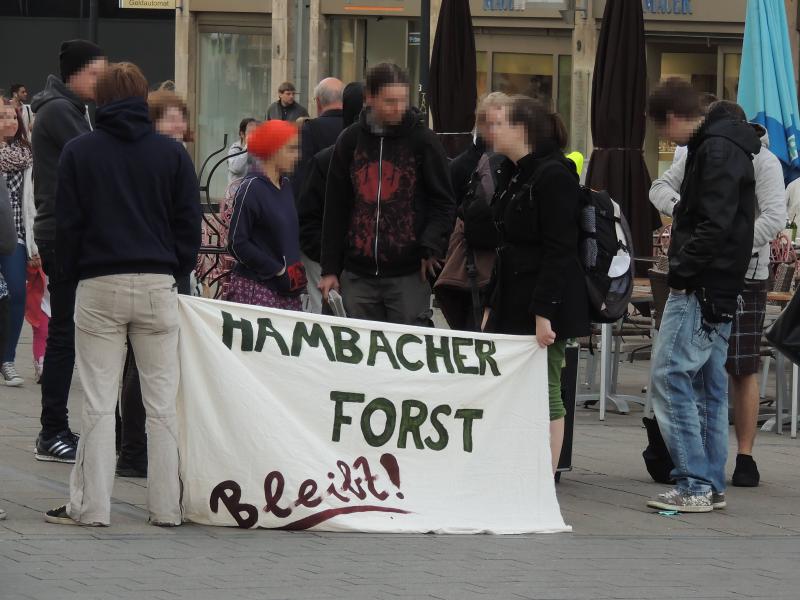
150	4
296	421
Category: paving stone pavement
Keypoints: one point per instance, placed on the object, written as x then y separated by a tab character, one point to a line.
619	549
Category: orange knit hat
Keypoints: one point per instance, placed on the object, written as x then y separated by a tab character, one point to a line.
269	137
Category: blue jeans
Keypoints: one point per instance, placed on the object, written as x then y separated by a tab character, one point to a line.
14	269
690	394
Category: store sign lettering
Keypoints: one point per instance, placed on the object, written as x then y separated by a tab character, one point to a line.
667	7
504	4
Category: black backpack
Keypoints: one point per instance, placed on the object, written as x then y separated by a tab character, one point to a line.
606	255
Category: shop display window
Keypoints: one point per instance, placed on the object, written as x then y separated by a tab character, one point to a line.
233	83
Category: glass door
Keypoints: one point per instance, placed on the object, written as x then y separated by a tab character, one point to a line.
233	73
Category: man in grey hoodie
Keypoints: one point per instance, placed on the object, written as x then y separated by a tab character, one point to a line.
744	350
61	115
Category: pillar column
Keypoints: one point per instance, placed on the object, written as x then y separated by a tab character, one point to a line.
280	46
584	49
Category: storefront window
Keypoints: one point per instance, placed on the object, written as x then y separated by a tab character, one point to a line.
733	64
526	74
564	104
412	54
699	69
482	62
343	49
234	79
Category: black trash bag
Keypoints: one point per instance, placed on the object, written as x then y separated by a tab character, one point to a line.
784	333
656	456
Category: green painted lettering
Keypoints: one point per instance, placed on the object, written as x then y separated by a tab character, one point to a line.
468	414
411	424
379	343
402	341
485	350
339	417
460	358
265	330
313	339
388	409
444	437
347	350
243	325
441	352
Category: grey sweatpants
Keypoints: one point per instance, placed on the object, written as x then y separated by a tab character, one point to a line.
403	300
107	311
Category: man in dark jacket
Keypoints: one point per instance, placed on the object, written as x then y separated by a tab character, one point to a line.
317	134
712	239
311	200
286	107
389	208
128	218
8	241
60	116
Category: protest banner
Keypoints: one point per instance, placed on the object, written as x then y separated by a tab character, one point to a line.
296	421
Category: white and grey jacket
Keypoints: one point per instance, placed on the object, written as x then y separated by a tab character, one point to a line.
770	201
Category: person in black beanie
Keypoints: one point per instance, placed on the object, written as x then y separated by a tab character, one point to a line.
311	200
61	115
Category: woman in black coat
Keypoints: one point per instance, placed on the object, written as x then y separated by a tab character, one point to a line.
539	284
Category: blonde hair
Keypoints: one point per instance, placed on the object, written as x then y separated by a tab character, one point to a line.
488	102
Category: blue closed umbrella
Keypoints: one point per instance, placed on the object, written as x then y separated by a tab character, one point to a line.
767	91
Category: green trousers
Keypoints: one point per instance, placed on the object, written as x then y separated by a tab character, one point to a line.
555	362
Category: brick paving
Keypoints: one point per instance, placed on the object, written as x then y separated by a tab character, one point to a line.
618	549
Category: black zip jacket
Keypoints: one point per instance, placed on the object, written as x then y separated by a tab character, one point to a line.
311	204
388	200
712	233
537	210
60	116
128	199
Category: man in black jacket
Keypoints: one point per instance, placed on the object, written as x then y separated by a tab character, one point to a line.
60	116
389	208
712	238
128	216
311	200
320	133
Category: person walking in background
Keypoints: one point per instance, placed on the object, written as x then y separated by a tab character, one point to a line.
237	163
311	201
19	99
128	224
744	349
320	133
37	314
286	108
15	165
539	287
170	115
264	233
709	253
61	115
389	208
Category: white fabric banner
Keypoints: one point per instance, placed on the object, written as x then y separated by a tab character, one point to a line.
297	421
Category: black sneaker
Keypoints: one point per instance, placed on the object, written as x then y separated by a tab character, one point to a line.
126	469
718	501
746	472
59	516
60	448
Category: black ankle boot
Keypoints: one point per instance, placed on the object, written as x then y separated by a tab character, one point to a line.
746	472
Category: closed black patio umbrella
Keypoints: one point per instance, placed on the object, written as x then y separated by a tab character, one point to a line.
453	76
619	97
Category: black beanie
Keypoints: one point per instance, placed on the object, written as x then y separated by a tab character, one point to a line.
76	54
352	102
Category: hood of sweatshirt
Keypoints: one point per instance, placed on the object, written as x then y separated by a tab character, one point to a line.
410	120
125	119
718	123
762	133
55	89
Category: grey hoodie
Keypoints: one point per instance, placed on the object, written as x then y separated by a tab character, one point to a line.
770	201
60	116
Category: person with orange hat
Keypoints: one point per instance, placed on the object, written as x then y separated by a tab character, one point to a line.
264	236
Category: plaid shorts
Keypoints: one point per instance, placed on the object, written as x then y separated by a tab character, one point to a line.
744	349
